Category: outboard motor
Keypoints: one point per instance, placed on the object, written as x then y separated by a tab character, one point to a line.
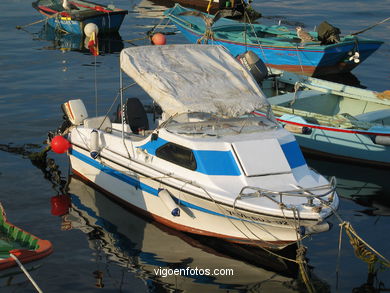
254	64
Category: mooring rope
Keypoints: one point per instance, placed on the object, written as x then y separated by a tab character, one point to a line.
303	270
370	27
301	250
362	249
299	59
150	32
26	273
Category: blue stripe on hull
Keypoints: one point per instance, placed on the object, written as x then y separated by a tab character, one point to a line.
144	187
106	23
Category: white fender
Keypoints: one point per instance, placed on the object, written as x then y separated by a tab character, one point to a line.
94	144
318	228
381	139
168	201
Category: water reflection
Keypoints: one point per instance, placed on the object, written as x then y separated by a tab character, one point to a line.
346	78
151	251
14	278
152	8
367	186
155	8
108	44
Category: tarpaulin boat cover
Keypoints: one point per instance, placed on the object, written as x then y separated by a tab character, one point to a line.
193	78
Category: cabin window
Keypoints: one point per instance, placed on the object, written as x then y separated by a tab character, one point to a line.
178	155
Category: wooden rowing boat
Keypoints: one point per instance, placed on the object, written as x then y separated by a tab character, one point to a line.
107	18
22	244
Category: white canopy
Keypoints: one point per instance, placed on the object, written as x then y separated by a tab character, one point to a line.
193	78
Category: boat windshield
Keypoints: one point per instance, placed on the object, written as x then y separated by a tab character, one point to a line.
206	124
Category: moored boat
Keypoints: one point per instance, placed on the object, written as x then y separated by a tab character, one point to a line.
278	46
23	245
331	119
209	167
107	18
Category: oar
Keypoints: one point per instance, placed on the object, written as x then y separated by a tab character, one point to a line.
136	39
38	21
370	27
148	35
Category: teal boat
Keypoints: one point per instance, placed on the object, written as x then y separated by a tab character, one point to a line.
278	46
21	244
330	119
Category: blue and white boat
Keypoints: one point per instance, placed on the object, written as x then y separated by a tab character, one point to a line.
107	18
209	166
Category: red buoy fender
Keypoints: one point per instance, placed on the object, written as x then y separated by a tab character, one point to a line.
59	144
159	39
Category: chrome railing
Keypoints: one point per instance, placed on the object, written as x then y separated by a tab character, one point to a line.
298	192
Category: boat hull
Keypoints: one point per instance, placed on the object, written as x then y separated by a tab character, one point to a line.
198	215
105	23
278	47
351	147
300	60
108	21
27	247
342	144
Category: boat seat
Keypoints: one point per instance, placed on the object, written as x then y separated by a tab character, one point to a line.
288	97
101	122
135	115
374	115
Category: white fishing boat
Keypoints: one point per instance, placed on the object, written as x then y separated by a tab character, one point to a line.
209	167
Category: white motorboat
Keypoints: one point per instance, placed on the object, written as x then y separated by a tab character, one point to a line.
210	166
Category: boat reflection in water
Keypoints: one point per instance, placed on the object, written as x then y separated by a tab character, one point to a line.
152	8
155	8
367	186
152	251
347	78
108	44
